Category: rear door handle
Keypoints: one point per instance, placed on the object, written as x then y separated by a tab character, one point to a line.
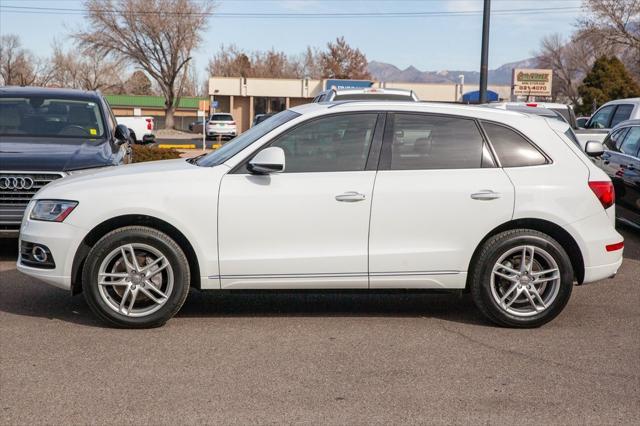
350	197
486	194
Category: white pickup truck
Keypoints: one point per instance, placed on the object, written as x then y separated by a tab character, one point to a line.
141	128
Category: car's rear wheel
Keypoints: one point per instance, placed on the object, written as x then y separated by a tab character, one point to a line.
521	278
136	277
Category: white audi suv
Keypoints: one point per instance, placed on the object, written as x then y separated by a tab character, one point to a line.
353	195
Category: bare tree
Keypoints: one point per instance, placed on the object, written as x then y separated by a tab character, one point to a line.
18	66
157	36
343	61
89	71
614	25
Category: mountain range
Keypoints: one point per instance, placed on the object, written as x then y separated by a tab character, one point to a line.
383	71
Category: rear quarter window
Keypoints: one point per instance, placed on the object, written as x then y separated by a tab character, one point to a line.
513	149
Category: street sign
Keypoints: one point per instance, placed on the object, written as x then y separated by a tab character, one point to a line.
200	113
532	82
203	105
215	104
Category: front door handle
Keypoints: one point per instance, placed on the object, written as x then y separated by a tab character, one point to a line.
486	194
350	197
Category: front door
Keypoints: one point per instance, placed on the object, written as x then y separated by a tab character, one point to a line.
308	226
437	194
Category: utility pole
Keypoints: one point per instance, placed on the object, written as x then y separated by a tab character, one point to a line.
484	55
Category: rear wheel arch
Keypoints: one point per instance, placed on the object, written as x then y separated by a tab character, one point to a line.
131	220
553	230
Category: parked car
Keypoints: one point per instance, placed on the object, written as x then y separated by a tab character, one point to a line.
621	161
221	125
558	111
46	134
366	94
259	118
502	205
607	117
140	128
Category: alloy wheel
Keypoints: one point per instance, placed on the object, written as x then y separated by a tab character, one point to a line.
525	281
135	280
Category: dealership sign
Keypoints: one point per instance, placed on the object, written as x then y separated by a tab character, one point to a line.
347	84
532	82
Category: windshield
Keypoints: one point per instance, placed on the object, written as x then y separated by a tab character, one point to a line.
50	117
239	143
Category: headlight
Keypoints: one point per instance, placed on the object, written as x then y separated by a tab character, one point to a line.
52	210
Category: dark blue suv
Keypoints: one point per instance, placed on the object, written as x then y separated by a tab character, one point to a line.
46	134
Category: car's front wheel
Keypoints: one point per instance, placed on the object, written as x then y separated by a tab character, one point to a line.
521	278
135	277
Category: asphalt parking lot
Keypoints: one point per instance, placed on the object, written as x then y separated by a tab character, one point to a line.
320	359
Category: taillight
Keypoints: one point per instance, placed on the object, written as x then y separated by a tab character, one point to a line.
149	123
233	123
604	192
615	247
531	104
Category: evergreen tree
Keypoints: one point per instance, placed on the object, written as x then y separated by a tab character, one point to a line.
608	80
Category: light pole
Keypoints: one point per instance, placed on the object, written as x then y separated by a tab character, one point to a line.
484	55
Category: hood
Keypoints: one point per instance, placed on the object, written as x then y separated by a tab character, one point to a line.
53	154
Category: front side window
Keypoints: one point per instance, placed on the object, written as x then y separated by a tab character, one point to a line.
336	143
40	116
512	149
614	140
631	143
425	142
623	112
601	118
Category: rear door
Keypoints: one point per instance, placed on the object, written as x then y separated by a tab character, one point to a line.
438	192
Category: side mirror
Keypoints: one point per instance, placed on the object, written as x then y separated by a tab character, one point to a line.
122	134
269	160
594	149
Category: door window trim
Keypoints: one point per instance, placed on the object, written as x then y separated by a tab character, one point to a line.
385	152
372	155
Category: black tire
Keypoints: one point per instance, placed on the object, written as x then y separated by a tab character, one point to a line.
136	235
482	270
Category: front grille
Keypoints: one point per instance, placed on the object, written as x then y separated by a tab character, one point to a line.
13	201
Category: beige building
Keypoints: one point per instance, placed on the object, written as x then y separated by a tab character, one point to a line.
246	97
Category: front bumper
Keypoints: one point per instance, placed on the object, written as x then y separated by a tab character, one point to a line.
62	239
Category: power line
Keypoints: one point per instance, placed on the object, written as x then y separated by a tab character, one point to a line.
311	15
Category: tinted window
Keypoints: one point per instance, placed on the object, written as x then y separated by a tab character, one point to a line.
513	150
623	112
631	142
614	140
239	143
41	116
572	136
423	142
330	144
564	112
221	117
601	118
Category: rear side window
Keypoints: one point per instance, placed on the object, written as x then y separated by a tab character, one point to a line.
512	149
424	142
623	112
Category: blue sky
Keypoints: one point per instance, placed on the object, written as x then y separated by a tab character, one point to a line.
426	42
